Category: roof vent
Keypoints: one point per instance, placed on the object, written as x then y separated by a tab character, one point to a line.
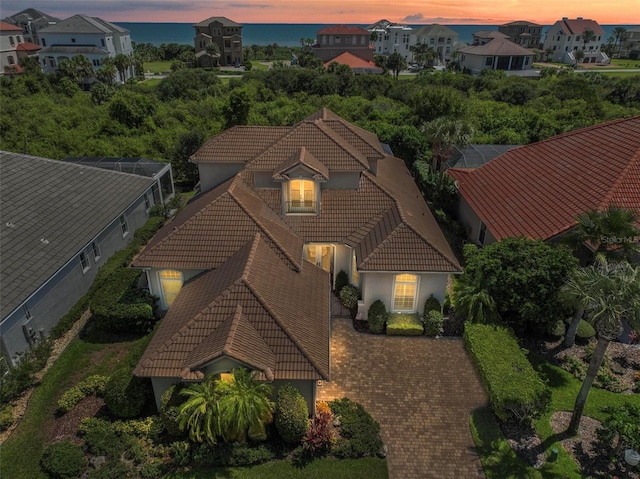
44	241
10	224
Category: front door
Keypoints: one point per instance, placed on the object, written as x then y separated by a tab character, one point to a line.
321	255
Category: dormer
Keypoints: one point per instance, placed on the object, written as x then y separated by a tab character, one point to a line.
300	176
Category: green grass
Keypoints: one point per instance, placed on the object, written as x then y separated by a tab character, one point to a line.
619	74
625	63
258	65
368	467
157	67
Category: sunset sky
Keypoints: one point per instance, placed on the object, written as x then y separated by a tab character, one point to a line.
625	12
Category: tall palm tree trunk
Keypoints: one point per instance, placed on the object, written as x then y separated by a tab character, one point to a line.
581	400
570	335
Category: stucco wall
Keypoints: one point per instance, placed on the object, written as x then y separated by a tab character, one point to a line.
472	223
212	175
155	288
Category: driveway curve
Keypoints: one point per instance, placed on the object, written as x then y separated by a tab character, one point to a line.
420	390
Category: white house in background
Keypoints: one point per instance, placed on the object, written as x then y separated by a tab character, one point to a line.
631	43
92	37
10	38
388	38
31	21
441	38
565	37
492	50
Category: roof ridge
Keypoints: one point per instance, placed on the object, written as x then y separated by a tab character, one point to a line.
251	257
326	129
378	246
294	339
621	177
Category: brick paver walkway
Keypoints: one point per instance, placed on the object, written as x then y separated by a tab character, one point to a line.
420	390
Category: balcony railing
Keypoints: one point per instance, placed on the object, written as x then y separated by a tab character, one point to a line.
302	206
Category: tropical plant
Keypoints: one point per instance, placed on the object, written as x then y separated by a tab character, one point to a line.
396	63
200	413
424	54
578	56
213	50
445	133
613	296
587	36
79	69
244	406
618	33
471	300
122	62
107	72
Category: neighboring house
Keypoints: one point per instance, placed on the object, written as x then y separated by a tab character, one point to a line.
387	38
60	223
226	34
10	39
475	156
565	37
357	64
537	190
523	33
31	21
92	37
245	270
333	41
441	38
492	50
631	43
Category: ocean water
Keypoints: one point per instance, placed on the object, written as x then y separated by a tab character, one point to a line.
284	34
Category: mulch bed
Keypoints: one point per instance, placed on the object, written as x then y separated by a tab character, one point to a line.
65	426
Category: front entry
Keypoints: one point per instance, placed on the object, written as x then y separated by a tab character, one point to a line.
321	255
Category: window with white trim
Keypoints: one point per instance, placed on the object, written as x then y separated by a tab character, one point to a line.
355	275
405	288
302	196
84	262
124	227
96	250
171	282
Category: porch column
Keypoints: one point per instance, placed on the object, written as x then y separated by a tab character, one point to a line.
495	63
509	67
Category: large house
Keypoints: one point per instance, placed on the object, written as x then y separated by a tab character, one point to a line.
10	39
565	37
60	222
441	38
387	38
492	50
226	35
245	270
523	33
538	190
631	43
92	37
333	41
31	21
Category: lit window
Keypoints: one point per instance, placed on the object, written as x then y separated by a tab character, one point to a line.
123	226
355	275
96	250
302	196
404	292
84	261
171	282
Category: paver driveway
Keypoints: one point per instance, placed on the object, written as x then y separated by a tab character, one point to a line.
420	390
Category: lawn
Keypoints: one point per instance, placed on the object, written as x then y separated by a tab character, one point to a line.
625	63
369	467
258	65
498	459
157	67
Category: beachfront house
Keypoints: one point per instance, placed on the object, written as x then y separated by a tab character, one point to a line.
523	33
387	38
245	270
226	35
338	39
441	38
492	50
566	37
31	21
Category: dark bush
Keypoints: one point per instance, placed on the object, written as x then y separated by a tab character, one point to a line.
359	433
14	381
377	317
585	331
342	279
621	427
169	411
556	329
321	435
433	321
151	227
6	417
292	414
231	454
516	392
431	304
62	460
126	394
349	295
113	469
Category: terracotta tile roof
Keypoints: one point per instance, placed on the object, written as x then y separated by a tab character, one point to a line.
342	30
224	146
538	190
352	61
8	27
302	157
234	213
27	47
579	25
238	311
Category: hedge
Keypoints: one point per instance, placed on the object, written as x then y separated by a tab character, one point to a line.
92	385
404	324
342	279
292	414
433	321
585	331
431	304
377	317
63	460
126	394
515	390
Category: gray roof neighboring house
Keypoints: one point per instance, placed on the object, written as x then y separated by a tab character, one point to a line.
84	24
435	29
223	20
30	15
475	156
496	46
74	50
49	211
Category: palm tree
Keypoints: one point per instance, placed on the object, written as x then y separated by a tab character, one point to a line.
424	54
578	56
107	72
618	33
396	63
473	301
244	406
122	62
213	50
445	133
613	296
200	413
548	53
587	36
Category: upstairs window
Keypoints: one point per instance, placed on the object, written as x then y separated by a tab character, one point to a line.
302	197
124	227
171	282
84	262
404	292
96	251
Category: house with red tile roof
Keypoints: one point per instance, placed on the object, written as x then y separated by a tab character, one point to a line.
357	64
10	38
538	190
245	270
335	40
565	37
492	50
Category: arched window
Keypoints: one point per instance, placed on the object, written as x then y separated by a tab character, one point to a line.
405	288
171	282
11	60
11	40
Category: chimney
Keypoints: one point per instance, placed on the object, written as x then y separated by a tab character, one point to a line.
565	18
579	18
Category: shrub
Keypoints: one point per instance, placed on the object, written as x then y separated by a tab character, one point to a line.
320	436
359	433
14	381
126	394
431	304
150	228
6	417
169	410
342	279
91	385
556	329
231	454
292	414
113	469
433	323
404	324
585	331
349	295
515	389
622	426
62	460
377	317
